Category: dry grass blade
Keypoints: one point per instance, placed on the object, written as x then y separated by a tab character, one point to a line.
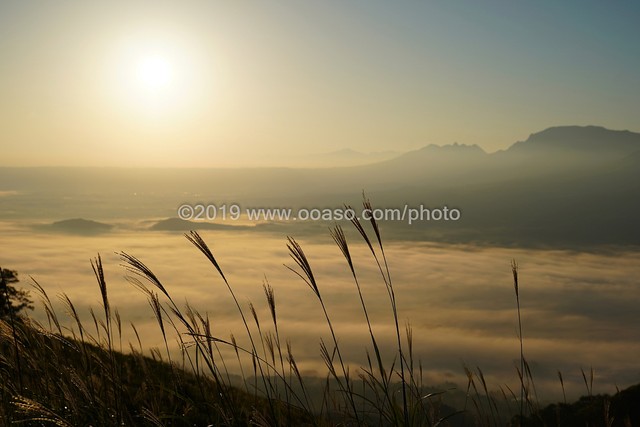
271	301
523	391
338	236
386	276
358	225
102	283
73	313
327	357
198	242
368	208
154	303
532	401
514	270
254	314
487	394
296	252
588	384
48	306
294	365
137	267
269	341
564	394
340	239
148	415
116	381
38	412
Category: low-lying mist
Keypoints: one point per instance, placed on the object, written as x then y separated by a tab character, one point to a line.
577	307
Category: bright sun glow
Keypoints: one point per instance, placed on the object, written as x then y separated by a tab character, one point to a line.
154	72
155	75
152	80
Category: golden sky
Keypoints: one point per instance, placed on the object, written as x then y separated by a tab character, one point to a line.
221	83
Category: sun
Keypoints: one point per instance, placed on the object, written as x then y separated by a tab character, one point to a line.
153	81
154	72
155	76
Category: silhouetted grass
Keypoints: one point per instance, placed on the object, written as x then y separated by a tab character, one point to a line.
78	374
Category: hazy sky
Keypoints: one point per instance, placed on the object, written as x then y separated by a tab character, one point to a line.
153	83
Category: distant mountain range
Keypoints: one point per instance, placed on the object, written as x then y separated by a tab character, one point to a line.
565	186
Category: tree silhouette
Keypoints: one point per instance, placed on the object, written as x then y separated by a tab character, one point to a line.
12	300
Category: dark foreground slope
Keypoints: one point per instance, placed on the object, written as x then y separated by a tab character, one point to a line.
64	381
620	410
56	380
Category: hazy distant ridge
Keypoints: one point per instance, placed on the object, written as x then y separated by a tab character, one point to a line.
580	138
563	185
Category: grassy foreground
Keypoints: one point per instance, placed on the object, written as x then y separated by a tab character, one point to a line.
69	373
